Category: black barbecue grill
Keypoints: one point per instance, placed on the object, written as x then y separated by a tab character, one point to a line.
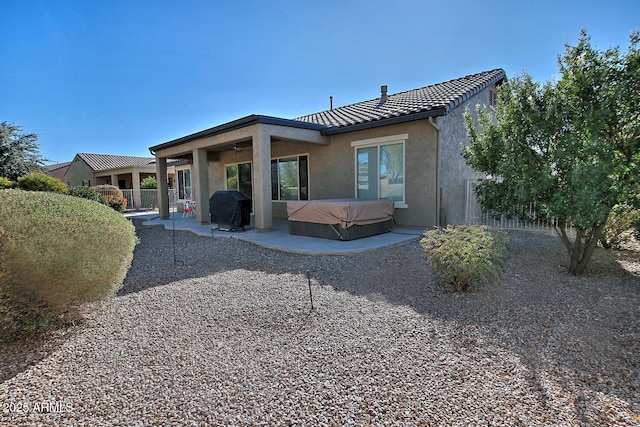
231	210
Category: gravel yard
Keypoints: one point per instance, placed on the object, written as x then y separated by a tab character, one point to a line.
225	336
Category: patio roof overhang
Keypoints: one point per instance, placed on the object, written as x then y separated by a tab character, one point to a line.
230	132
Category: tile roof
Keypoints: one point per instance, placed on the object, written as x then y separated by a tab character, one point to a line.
436	100
57	166
100	162
429	101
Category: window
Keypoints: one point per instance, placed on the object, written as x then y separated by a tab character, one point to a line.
239	178
380	168
184	184
290	178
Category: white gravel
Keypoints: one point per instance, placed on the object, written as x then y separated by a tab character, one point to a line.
225	336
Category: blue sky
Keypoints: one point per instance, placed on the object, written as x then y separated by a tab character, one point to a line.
118	76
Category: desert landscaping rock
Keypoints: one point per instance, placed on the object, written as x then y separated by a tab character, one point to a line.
211	331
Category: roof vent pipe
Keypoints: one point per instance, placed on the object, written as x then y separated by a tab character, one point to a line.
331	102
383	94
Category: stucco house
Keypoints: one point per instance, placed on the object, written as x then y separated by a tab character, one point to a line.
125	172
58	170
404	146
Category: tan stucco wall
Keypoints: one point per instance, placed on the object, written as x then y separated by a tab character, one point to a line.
454	170
332	169
77	172
58	173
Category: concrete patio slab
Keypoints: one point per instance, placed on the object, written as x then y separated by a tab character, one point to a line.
280	239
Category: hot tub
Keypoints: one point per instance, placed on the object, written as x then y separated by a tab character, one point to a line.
343	219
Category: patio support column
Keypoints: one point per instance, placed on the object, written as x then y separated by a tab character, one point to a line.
163	187
114	180
137	199
262	179
200	178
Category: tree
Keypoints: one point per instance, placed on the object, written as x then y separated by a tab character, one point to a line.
149	182
570	147
19	152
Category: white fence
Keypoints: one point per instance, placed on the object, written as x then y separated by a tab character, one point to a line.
144	199
474	215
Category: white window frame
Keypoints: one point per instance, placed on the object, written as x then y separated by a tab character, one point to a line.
178	183
378	142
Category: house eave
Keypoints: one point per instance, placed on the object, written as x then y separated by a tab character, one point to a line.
384	122
235	125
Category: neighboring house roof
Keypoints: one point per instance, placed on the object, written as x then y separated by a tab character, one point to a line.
57	166
429	101
101	162
58	170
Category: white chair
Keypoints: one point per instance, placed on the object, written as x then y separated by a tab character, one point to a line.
189	208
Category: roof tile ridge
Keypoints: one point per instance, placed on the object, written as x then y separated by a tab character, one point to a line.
476	87
491	76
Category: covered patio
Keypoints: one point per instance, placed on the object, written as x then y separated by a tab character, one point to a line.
280	239
203	150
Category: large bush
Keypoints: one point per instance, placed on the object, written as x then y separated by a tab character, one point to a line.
118	203
37	181
88	193
62	251
466	256
113	196
3	253
108	190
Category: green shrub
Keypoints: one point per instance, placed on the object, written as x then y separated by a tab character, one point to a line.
466	256
108	190
149	183
3	252
622	225
38	181
19	319
62	251
88	193
116	202
5	183
113	196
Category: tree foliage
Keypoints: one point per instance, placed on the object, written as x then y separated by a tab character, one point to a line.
149	182
570	147
19	152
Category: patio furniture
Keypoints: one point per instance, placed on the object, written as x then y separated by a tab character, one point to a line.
344	219
189	208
